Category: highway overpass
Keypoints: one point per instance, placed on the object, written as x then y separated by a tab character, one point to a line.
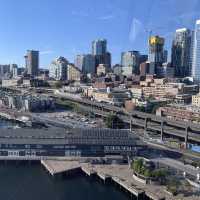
186	131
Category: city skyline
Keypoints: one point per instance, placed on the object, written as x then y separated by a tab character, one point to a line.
123	24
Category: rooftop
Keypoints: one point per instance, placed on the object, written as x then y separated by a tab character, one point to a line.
61	136
181	30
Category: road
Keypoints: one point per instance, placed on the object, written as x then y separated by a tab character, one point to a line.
55	122
171	127
177	165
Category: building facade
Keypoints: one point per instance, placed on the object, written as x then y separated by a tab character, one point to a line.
86	63
99	47
99	50
130	62
196	100
156	52
73	73
196	53
54	142
58	69
4	71
32	62
14	70
102	69
117	69
144	68
181	52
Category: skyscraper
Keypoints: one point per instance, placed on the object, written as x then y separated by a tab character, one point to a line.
99	50
156	52
4	71
130	62
181	52
86	63
196	53
165	56
14	70
58	69
32	62
99	47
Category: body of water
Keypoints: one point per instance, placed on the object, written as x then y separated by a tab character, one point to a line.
32	182
7	124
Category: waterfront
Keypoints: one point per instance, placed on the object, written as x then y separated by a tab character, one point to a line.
31	182
7	124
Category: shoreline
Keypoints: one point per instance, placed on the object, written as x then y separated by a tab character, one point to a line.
77	173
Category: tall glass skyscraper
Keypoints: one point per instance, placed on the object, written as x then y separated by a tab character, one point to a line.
196	53
99	47
156	53
181	52
99	50
86	63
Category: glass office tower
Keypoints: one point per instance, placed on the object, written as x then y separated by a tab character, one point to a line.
196	53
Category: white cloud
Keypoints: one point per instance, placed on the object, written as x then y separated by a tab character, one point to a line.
106	17
47	52
135	29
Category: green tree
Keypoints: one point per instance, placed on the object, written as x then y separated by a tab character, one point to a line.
160	175
58	84
112	121
138	165
173	186
147	173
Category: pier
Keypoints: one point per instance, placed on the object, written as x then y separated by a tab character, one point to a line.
119	175
58	167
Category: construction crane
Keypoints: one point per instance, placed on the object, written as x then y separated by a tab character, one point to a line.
150	31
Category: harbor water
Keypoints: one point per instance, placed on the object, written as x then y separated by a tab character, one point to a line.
29	181
32	182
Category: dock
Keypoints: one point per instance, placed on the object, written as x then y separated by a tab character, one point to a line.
119	175
88	171
58	167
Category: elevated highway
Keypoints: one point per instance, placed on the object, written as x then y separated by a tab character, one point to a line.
185	131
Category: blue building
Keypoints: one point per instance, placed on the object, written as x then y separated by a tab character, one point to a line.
196	53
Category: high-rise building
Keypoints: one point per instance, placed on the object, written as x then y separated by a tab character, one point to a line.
169	70
103	59
99	50
181	52
73	73
156	52
165	71
144	68
99	47
143	58
4	71
130	62
58	69
86	63
196	53
117	69
165	56
32	62
14	70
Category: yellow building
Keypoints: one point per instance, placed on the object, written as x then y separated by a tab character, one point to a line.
73	73
196	100
156	40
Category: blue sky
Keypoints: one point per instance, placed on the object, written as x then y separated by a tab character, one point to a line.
67	27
